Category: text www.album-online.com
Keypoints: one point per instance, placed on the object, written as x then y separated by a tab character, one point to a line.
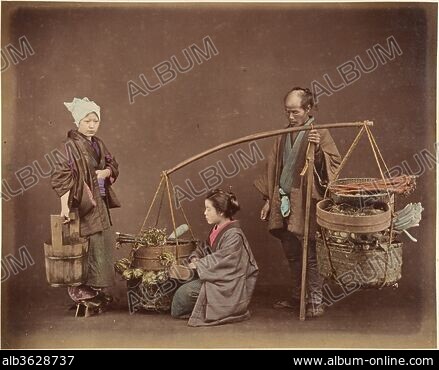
378	361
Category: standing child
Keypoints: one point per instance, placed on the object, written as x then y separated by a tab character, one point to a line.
83	181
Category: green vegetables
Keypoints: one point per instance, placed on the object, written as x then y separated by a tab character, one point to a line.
167	259
409	216
148	282
122	265
153	278
151	237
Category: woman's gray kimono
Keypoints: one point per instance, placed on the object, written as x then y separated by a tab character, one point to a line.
228	272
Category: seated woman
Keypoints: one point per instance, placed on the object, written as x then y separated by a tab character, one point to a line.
225	266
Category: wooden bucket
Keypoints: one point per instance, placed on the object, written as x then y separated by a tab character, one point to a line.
66	257
352	223
147	258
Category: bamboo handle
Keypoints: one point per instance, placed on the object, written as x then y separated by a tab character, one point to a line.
309	183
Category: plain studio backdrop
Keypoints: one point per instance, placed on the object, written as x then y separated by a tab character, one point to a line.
259	52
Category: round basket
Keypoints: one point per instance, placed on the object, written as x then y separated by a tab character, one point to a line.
375	268
148	258
358	198
353	223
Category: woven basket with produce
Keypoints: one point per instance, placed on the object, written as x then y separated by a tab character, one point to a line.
148	270
359	239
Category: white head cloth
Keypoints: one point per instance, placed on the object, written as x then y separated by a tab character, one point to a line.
81	107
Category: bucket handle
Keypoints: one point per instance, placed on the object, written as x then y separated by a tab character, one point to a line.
56	225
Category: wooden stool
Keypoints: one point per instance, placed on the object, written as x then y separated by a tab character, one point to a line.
91	308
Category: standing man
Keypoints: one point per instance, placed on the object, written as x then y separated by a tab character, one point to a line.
284	192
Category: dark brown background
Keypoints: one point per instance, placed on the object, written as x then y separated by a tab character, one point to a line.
264	50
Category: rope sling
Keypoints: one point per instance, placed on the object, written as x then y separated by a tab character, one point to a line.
378	157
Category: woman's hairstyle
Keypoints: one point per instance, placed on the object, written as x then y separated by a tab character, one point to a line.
224	202
307	96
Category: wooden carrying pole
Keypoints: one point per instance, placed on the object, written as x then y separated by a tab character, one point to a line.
309	183
309	173
263	135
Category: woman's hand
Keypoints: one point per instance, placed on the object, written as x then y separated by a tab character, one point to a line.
314	137
103	174
193	263
265	210
65	210
65	213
